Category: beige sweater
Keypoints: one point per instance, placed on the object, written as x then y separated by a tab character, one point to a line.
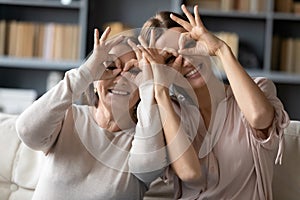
83	160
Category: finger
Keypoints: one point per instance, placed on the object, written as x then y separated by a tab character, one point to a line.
110	59
145	51
96	36
188	15
186	25
118	63
197	16
168	50
105	34
152	39
164	53
134	47
178	63
143	41
184	37
130	64
148	57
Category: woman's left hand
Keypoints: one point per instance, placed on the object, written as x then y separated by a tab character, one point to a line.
163	75
206	42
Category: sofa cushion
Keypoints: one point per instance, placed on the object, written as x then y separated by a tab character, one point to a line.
19	166
286	183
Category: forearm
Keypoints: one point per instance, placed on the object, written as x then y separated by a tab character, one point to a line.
39	124
254	105
148	156
184	159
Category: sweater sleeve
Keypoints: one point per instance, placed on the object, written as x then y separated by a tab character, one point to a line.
39	125
148	155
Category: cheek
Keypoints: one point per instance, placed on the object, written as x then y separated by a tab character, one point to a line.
134	97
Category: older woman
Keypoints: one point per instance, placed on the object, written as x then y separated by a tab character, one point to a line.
94	152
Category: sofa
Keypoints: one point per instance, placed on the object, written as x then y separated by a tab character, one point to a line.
20	167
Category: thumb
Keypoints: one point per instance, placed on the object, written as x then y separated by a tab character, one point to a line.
178	63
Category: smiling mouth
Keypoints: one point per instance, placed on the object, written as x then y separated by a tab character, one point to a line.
118	92
194	71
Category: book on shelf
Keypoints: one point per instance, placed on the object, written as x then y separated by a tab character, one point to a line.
284	5
24	40
117	27
2	37
39	40
232	40
229	5
297	56
50	41
275	54
290	55
12	35
206	4
286	55
296	7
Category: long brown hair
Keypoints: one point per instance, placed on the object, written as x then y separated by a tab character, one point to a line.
160	22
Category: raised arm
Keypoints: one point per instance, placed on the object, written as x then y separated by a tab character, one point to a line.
39	125
182	155
257	110
148	156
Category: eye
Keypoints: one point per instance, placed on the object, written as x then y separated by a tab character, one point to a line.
111	67
170	59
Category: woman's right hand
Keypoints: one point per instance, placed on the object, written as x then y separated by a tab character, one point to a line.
100	54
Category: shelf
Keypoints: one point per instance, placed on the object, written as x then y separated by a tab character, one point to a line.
276	76
42	3
286	16
36	63
231	14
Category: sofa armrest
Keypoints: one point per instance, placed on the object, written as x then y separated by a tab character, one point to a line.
19	166
286	181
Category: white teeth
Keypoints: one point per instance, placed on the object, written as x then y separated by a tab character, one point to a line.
191	73
194	71
118	92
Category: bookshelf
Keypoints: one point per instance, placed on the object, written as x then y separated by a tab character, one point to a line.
29	66
255	25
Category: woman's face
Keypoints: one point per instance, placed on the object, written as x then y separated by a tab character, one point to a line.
118	91
196	69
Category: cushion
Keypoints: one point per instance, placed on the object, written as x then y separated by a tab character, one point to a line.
286	182
19	166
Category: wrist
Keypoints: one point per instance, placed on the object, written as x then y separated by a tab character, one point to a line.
223	50
162	94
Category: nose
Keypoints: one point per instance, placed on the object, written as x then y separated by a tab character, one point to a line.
118	76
